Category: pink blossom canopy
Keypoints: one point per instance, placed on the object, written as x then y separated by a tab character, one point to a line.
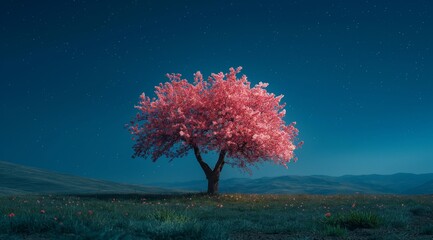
221	114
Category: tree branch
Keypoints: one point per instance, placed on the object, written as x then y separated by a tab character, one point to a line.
207	170
220	163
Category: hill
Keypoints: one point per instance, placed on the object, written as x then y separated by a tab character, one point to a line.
400	183
18	179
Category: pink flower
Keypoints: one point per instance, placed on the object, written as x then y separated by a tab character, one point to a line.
328	214
90	212
79	213
353	205
221	113
42	211
300	144
11	215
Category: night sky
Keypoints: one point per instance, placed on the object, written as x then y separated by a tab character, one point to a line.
357	77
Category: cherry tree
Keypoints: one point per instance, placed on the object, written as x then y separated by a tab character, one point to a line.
243	124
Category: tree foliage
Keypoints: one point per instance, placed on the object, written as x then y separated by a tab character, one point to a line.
223	113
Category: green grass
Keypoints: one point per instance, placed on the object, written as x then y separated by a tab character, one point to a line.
354	219
224	216
427	230
334	231
421	211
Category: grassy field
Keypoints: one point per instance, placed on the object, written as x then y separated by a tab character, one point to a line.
225	216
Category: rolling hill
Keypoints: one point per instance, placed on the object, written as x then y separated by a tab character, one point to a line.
18	179
400	183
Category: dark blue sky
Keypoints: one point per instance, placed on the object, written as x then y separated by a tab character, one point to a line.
357	77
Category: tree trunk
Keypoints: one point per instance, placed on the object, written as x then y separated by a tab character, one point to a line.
213	183
213	176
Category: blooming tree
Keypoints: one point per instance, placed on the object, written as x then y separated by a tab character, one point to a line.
243	124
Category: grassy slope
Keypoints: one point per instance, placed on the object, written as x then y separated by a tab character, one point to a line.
227	216
15	179
18	179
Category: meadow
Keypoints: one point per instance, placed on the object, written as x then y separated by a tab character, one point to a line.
222	216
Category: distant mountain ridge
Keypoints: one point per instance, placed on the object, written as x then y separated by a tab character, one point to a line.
19	179
400	183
